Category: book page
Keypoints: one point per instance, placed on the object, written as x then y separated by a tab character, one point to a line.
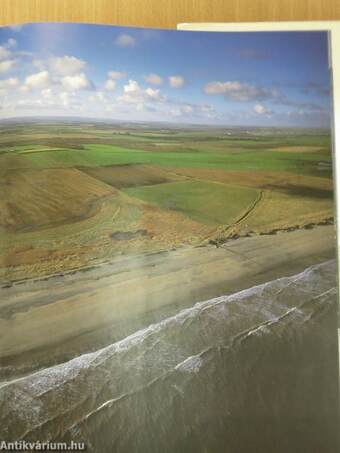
167	240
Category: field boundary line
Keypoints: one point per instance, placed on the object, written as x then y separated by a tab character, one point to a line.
250	209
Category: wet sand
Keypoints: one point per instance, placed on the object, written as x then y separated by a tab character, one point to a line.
49	321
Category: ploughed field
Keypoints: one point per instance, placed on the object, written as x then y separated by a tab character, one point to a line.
75	194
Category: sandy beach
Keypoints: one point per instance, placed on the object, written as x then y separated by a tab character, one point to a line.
48	321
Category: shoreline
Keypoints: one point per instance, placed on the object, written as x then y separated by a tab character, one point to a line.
218	242
89	309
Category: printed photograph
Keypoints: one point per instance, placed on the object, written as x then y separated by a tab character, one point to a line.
168	274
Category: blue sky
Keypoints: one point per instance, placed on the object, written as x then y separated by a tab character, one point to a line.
259	79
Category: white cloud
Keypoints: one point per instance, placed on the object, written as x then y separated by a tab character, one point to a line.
46	93
4	52
132	87
101	96
222	87
11	43
39	64
113	76
116	75
8	83
76	82
258	108
133	93
176	81
37	80
6	65
49	100
182	110
193	111
125	40
239	91
154	79
5	49
65	99
261	110
67	65
110	85
188	109
153	94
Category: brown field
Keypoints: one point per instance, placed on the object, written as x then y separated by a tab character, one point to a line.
277	211
300	149
10	161
271	180
35	199
71	231
122	176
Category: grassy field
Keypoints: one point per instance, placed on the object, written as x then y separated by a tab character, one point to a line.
93	155
78	193
206	202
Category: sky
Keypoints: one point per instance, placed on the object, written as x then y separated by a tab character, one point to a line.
233	79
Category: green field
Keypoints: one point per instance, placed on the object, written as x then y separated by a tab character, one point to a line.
79	192
207	202
255	160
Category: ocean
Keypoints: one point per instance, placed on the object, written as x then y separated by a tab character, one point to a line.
255	371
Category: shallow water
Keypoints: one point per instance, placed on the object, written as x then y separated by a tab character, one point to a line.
255	371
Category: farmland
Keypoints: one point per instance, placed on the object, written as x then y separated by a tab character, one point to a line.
77	193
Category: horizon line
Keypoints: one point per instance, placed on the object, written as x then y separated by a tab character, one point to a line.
96	119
